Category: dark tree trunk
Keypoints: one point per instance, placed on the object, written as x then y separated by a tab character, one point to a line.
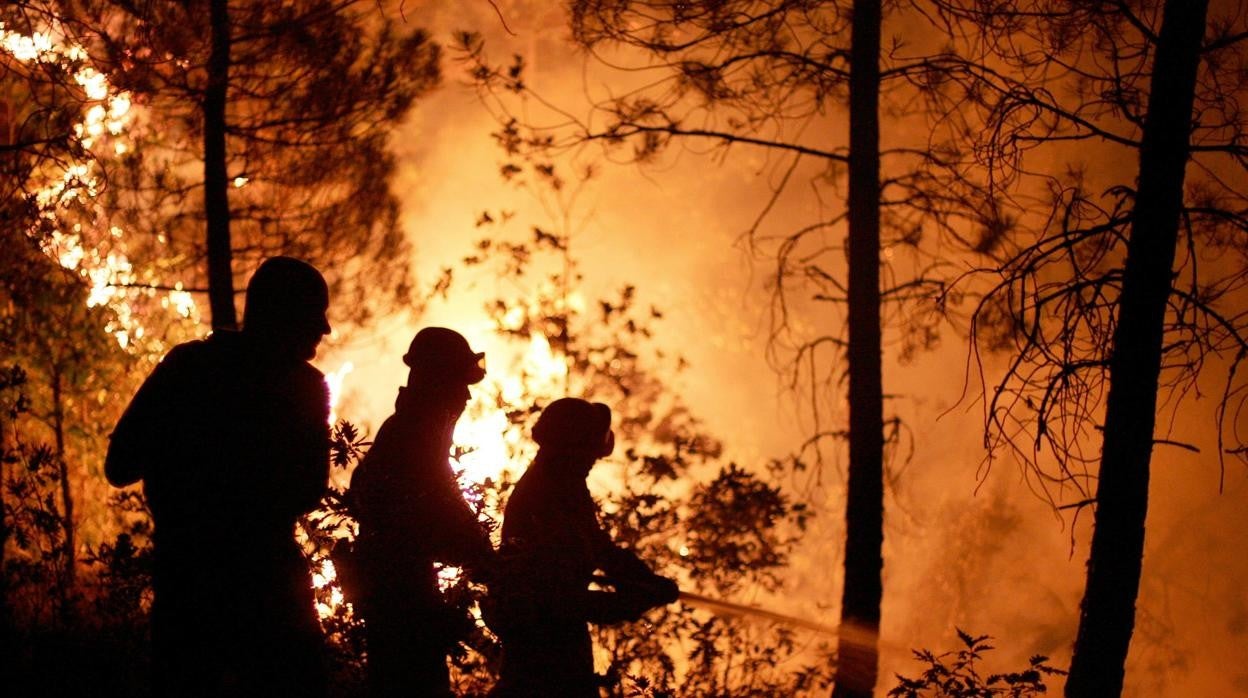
67	498
5	447
1108	609
864	514
216	179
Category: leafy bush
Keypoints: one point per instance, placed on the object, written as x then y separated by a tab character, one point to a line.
956	675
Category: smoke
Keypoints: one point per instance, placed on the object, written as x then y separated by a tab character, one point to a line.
965	546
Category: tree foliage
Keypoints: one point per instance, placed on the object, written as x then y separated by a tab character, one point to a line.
957	674
1059	137
69	364
315	88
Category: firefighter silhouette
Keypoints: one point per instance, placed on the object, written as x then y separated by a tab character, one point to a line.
230	438
553	545
412	515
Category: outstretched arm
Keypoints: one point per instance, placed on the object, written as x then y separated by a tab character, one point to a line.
637	588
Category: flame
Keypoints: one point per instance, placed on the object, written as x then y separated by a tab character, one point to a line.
94	254
496	447
447	576
334	380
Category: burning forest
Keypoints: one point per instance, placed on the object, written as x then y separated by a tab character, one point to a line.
624	348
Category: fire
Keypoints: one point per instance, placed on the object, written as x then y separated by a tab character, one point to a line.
494	445
94	253
334	380
326	576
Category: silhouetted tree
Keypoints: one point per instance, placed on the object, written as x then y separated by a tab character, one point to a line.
748	74
1135	360
863	589
267	132
1121	301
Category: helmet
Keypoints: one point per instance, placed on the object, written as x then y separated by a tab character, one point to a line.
569	423
445	353
285	290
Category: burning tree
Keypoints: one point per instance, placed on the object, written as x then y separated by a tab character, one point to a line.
267	132
64	328
76	314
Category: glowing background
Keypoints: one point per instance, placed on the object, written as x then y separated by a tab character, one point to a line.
987	557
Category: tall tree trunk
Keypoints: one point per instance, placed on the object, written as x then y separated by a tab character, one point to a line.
7	448
216	179
67	499
857	655
1108	609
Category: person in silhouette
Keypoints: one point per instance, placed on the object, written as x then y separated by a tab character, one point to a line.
552	546
412	515
230	438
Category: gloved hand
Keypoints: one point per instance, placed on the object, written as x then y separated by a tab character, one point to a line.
607	607
665	590
649	593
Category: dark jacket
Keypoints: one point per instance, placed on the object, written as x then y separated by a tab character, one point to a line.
552	545
218	429
412	515
409	505
232	446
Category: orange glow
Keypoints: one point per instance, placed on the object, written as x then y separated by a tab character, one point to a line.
495	447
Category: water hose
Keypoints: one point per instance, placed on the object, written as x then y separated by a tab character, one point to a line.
727	608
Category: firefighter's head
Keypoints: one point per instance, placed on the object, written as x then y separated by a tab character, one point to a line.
443	365
287	300
576	427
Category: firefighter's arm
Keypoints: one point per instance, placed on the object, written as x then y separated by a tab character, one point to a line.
309	466
471	544
629	600
137	441
637	588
